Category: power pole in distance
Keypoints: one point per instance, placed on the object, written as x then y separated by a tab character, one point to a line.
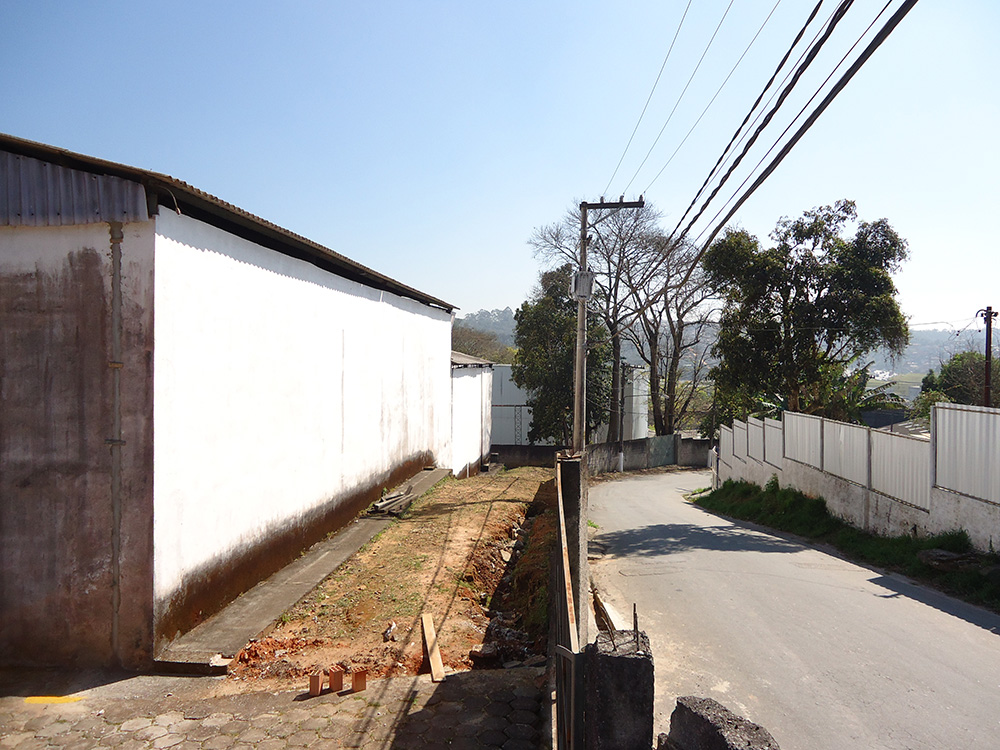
988	316
583	286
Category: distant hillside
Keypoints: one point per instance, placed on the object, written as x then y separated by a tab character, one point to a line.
498	322
928	349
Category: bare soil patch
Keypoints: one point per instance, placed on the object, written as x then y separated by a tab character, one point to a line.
473	553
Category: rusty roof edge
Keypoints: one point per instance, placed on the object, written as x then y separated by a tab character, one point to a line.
228	213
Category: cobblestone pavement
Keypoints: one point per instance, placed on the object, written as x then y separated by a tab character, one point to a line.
500	708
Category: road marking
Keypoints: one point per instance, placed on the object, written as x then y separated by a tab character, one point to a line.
53	699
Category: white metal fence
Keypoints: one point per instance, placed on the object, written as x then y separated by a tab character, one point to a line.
740	440
726	445
964	452
901	467
774	442
804	439
845	451
967	440
755	439
951	481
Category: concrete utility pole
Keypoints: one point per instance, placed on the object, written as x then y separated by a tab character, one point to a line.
583	285
988	316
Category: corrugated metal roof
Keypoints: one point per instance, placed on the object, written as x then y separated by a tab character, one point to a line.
37	193
459	359
175	194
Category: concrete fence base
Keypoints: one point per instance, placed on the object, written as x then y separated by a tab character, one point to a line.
705	724
619	692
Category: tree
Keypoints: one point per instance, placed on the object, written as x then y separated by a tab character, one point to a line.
545	339
478	343
670	317
622	249
963	378
799	313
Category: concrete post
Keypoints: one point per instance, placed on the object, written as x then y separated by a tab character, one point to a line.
619	692
574	485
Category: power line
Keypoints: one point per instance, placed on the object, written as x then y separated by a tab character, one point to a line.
709	105
795	119
728	153
774	75
650	97
877	42
813	52
679	98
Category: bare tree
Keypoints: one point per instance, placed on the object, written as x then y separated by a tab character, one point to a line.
671	312
621	252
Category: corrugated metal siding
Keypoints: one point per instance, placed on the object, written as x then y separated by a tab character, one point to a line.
35	193
968	450
803	438
774	443
845	451
740	440
901	467
755	439
726	445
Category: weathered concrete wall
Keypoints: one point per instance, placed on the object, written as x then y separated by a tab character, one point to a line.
286	399
618	692
75	573
471	393
638	454
872	511
693	451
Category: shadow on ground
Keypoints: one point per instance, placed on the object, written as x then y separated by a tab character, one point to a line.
673	538
939	601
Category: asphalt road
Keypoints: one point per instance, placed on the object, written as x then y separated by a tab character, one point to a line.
823	653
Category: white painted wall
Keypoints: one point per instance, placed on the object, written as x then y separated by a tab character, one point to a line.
471	390
278	387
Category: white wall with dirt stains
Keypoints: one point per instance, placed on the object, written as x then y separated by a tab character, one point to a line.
281	390
472	391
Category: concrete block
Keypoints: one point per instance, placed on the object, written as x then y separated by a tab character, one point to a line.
618	693
705	724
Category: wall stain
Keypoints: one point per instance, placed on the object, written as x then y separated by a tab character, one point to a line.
54	505
208	589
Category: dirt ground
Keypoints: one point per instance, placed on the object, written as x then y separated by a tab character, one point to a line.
473	553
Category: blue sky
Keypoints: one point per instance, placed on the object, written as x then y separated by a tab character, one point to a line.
426	140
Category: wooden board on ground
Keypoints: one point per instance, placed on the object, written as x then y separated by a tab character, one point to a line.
431	647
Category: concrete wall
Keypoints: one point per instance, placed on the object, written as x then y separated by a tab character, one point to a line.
471	394
75	510
873	511
286	398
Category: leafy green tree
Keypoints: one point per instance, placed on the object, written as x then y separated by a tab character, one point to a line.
921	407
963	377
545	339
795	315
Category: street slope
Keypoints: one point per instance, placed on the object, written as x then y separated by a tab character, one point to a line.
823	653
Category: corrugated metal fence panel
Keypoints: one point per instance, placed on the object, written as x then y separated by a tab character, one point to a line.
740	440
901	468
968	450
845	451
726	446
803	440
774	445
755	439
35	193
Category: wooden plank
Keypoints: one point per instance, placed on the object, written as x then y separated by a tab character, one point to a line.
431	648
